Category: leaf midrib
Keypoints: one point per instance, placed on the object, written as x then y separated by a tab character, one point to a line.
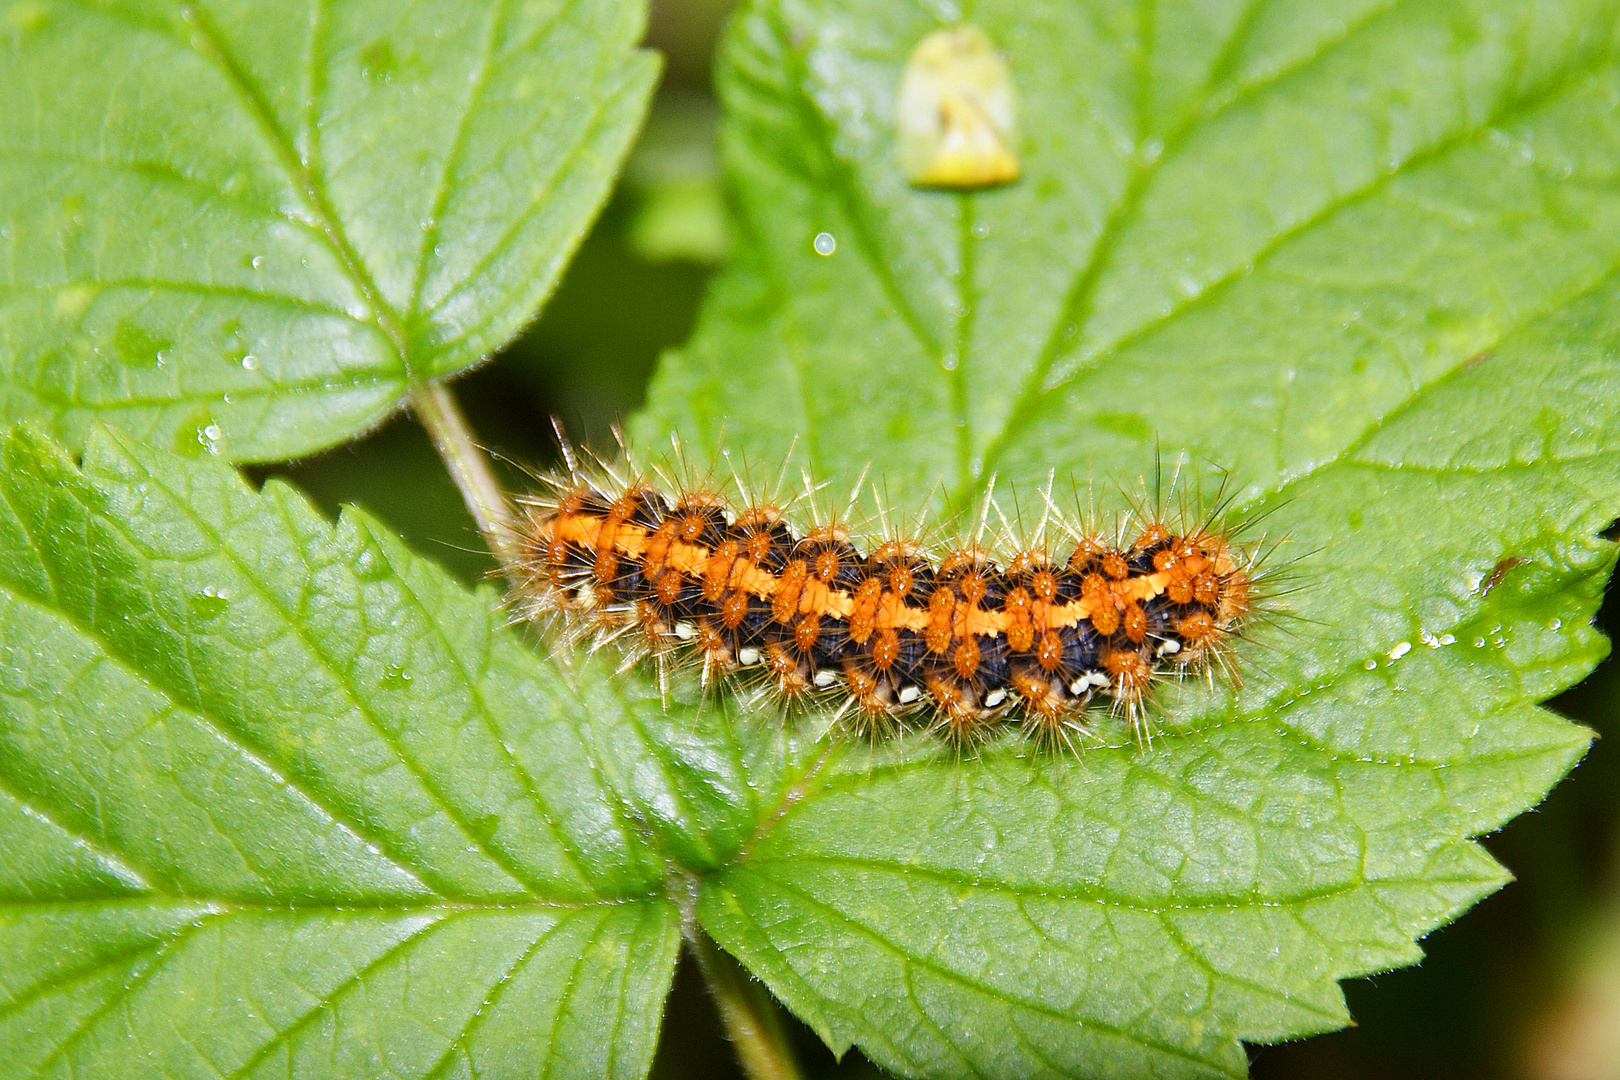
575	153
306	185
234	905
257	296
452	160
970	481
1072	892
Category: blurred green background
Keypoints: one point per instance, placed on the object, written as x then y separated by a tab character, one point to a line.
1525	985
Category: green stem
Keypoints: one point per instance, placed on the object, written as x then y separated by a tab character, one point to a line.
439	413
753	1020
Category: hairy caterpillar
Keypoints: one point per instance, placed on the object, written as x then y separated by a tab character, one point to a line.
950	636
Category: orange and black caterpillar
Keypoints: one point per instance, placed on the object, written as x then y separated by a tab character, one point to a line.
895	633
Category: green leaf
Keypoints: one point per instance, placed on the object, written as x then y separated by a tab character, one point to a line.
1366	256
279	798
249	227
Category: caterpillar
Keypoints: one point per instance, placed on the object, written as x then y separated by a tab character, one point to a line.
961	639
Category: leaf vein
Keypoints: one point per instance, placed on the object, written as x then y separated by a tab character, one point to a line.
593	126
336	993
525	779
1558	81
241	744
970	983
463	1037
160	957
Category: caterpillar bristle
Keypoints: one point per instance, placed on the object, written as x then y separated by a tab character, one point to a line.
1026	626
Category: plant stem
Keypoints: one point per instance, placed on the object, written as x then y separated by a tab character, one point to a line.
439	413
753	1020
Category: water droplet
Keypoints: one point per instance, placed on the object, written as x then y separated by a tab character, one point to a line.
948	361
395	678
209	604
250	362
981	230
135	347
1479	643
211	433
1400	650
378	64
825	244
1556	624
227	398
1369	664
256	262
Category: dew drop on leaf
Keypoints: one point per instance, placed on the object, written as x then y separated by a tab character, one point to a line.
209	604
136	347
378	64
395	678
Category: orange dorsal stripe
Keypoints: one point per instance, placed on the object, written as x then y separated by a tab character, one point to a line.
594	532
